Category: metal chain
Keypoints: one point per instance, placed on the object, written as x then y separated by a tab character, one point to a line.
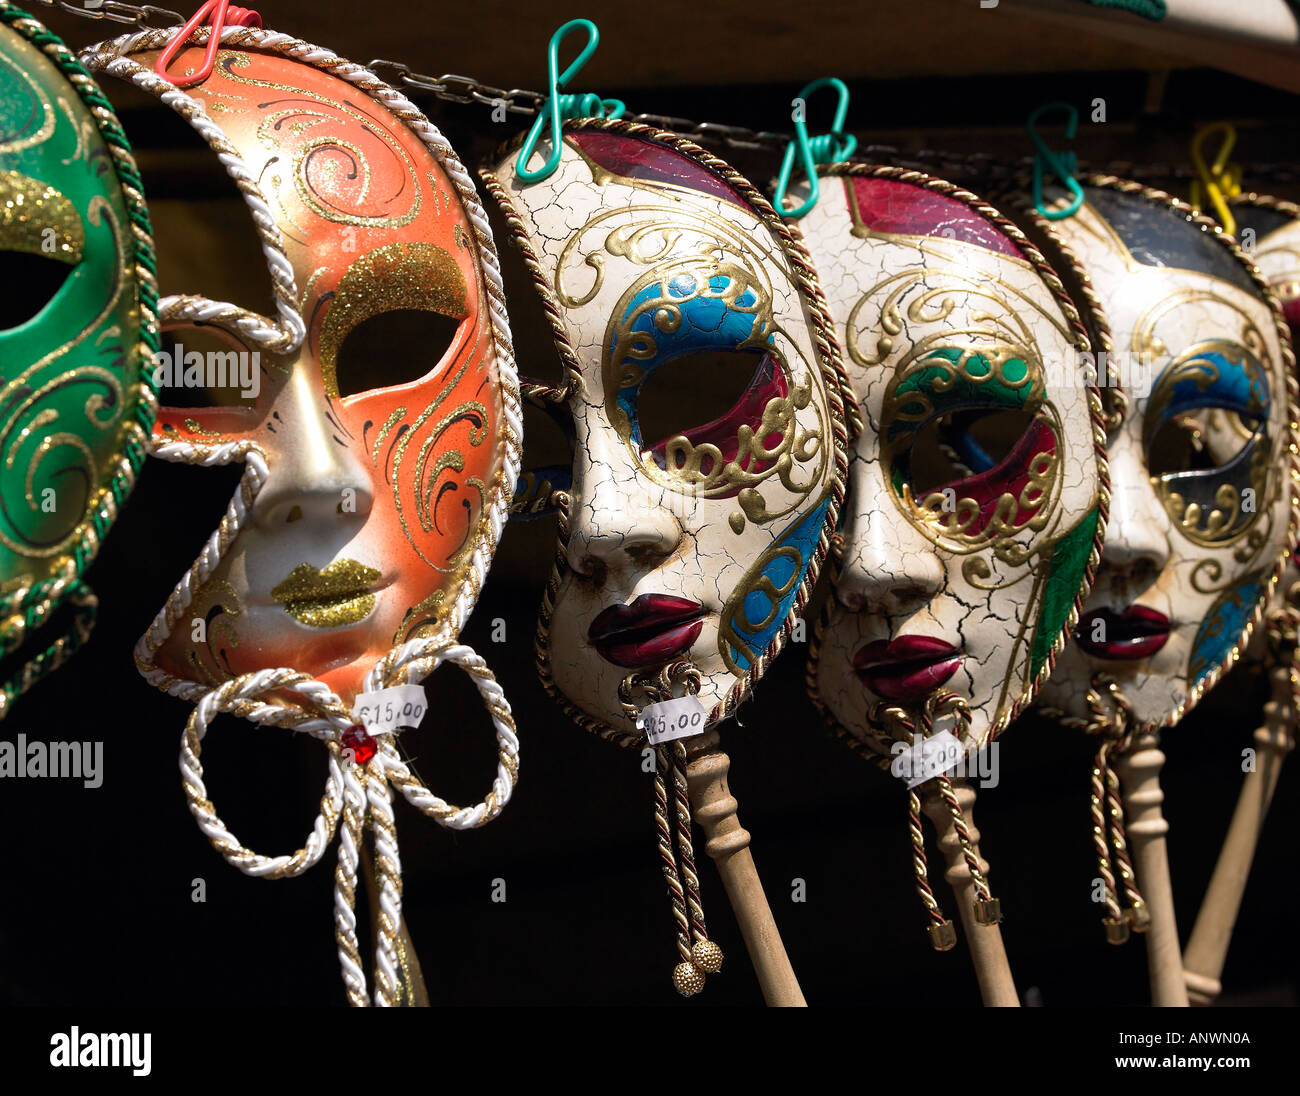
453	88
136	15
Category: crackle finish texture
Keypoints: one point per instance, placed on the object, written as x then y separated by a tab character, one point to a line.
377	495
1275	249
946	324
70	371
1196	532
649	257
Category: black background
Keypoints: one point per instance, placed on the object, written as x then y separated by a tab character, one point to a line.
97	905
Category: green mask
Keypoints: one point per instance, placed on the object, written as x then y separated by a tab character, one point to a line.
76	406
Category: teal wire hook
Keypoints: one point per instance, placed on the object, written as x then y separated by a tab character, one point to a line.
827	148
557	105
1047	162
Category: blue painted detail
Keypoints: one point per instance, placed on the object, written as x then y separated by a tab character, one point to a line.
783	573
1222	629
708	323
1233	389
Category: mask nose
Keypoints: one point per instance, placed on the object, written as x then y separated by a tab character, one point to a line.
1136	548
315	474
615	523
888	567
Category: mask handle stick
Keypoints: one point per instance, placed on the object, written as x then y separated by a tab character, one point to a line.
714	808
1207	950
1139	774
983	937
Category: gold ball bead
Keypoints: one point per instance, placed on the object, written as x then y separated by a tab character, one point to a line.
688	979
707	956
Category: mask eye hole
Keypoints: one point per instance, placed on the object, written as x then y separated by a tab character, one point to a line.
1204	440
393	348
960	445
705	396
31	281
200	367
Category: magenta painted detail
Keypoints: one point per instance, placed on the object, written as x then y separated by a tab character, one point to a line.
1291	310
768	384
1010	477
645	161
885	205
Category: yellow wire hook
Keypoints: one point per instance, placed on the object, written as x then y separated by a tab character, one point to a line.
1219	181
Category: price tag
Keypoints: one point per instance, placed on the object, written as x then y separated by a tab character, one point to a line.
388	709
929	758
681	717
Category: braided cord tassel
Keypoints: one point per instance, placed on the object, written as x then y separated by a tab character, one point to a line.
1137	914
987	908
700	956
1115	924
345	886
1111	716
672	875
943	937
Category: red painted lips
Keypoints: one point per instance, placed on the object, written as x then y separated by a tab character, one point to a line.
649	631
1137	632
909	668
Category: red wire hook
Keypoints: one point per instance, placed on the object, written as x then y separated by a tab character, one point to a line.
223	15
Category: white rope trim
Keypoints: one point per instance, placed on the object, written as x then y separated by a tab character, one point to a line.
352	794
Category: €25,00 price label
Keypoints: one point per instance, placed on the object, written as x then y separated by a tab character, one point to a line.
680	717
387	709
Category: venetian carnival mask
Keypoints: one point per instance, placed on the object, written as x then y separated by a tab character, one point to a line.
375	486
1269	230
1273	245
76	331
693	533
1201	480
382	473
973	512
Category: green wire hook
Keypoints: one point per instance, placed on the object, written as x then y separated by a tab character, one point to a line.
1063	166
827	148
557	106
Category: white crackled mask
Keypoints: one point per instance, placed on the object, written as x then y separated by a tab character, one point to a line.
1201	480
696	536
1273	244
974	485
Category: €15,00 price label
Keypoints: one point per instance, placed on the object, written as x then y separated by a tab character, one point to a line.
680	717
387	709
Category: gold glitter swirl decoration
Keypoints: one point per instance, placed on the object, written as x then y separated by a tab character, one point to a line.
432	480
37	112
62	409
331	176
418	276
30	211
694	257
218	607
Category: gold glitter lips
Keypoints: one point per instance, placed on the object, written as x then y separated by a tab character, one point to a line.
331	598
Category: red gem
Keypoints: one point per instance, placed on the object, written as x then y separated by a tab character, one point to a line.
361	744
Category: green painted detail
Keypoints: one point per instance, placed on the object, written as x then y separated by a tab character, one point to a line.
86	158
1065	573
1007	391
1148	9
